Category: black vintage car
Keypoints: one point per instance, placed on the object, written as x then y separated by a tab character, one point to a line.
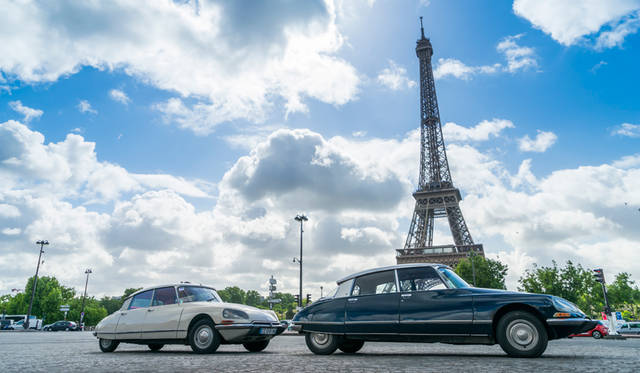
430	303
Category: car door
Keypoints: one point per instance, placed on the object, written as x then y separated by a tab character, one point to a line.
163	315
131	319
372	307
428	307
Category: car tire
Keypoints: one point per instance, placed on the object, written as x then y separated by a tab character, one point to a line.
596	334
155	346
256	346
203	337
521	334
108	345
350	346
321	343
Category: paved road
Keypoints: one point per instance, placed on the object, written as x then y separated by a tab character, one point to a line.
78	351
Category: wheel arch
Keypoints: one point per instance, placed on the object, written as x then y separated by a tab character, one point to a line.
199	317
521	307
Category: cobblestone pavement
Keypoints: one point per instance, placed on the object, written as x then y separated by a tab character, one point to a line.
78	351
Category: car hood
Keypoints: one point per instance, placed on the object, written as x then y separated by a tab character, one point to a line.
253	312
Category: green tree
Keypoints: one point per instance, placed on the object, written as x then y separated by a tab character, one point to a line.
490	273
233	294
111	304
128	292
253	298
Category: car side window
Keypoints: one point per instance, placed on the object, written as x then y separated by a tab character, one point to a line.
419	279
164	296
125	305
375	283
344	289
141	300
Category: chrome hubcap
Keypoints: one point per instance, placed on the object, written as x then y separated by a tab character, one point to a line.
203	336
105	342
320	339
522	334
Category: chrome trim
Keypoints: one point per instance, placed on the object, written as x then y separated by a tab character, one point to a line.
387	268
482	321
372	322
436	321
317	322
413	334
568	321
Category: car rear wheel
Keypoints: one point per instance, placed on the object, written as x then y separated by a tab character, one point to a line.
203	337
155	346
521	334
108	345
256	346
321	343
350	346
596	334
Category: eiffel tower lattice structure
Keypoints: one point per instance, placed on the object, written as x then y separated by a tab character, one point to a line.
436	197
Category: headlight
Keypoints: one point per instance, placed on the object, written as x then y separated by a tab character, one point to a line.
564	305
234	314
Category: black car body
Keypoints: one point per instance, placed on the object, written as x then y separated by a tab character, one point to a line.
62	325
433	304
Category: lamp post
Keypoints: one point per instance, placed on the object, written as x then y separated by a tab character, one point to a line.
320	291
35	281
301	218
88	271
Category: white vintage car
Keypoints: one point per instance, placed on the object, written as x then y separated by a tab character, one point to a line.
186	314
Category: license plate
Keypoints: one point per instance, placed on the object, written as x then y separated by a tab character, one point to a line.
267	330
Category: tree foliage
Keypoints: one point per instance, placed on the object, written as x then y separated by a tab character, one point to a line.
490	273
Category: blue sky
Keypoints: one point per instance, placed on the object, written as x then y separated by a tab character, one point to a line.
166	141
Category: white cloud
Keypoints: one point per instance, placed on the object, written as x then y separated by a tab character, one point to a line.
597	66
517	58
627	129
481	132
394	77
542	142
84	106
221	66
29	113
119	96
573	22
147	229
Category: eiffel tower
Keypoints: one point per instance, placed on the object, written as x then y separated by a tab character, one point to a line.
436	196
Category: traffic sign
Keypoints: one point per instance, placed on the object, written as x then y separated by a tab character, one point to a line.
64	308
274	300
618	315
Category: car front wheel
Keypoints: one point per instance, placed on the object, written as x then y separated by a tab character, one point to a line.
203	337
155	346
596	334
321	343
521	334
350	346
256	346
108	345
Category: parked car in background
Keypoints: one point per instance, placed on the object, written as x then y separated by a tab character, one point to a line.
601	330
61	325
186	314
431	303
6	324
632	327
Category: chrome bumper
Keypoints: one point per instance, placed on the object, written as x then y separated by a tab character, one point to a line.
248	332
566	327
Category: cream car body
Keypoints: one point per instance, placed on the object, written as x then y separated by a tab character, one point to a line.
170	314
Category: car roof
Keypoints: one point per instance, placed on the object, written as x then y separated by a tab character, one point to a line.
388	268
168	285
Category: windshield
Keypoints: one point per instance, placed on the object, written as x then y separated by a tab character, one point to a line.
452	279
197	294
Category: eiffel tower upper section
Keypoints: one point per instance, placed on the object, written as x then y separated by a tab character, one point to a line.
436	196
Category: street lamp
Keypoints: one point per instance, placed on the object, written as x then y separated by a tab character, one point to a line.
35	281
301	218
87	272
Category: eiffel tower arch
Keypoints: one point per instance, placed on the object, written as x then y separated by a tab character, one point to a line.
436	196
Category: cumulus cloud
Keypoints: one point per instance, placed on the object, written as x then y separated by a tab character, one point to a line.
224	60
517	58
119	96
569	22
29	113
480	132
84	106
627	129
395	77
138	230
542	142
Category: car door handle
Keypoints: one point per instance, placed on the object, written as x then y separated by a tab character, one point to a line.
123	313
150	310
352	300
407	295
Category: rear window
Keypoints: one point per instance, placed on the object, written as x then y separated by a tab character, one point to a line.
165	296
141	300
